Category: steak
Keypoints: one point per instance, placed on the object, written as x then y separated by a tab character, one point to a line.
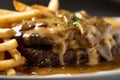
45	58
66	39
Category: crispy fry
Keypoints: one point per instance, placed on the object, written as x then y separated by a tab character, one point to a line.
15	54
2	55
6	25
6	33
12	18
11	44
6	12
5	64
21	6
42	8
53	5
11	72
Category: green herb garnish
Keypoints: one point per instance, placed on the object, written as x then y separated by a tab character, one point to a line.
65	25
73	22
77	19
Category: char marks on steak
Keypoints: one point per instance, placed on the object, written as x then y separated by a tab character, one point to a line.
42	58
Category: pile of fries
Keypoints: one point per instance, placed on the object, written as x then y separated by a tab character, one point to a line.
9	45
25	12
7	19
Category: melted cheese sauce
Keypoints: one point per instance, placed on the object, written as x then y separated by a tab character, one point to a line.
74	69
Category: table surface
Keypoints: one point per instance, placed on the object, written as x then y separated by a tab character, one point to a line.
93	7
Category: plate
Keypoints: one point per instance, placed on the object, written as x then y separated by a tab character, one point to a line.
103	75
106	75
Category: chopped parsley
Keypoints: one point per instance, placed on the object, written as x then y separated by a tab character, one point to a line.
76	19
73	22
65	25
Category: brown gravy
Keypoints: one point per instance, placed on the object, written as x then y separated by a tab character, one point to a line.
74	69
103	66
81	69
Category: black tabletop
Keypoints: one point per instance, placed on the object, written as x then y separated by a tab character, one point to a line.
93	7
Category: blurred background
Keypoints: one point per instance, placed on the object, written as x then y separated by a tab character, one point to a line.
93	7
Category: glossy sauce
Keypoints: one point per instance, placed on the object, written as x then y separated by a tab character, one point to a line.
74	69
103	66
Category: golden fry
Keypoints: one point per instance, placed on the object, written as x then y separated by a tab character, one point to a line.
15	54
21	6
12	18
2	55
11	44
11	72
6	33
6	12
41	8
53	5
6	64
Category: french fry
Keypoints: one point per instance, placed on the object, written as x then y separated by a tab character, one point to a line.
7	25
6	12
12	18
41	8
15	54
21	6
11	44
53	5
2	55
10	63
6	33
11	72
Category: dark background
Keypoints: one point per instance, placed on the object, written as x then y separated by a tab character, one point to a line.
93	7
